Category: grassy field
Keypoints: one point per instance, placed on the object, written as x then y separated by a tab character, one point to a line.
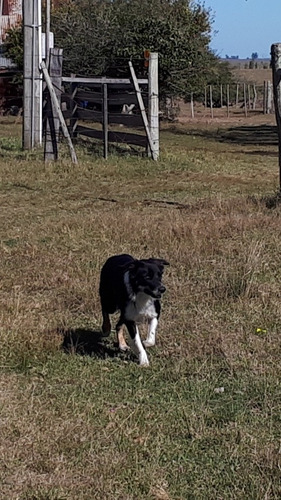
78	419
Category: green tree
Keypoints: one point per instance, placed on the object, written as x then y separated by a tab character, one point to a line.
13	45
99	37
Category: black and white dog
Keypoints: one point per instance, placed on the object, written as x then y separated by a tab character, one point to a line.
134	288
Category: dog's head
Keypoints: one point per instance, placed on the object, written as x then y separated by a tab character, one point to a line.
146	276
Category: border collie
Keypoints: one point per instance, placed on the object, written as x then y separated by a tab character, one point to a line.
134	288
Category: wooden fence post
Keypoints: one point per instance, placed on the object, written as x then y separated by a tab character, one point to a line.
153	102
211	101
276	70
237	95
142	110
249	96
269	97
254	97
264	97
105	121
205	99
191	105
227	98
245	100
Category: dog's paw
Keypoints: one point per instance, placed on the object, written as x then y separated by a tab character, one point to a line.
124	347
143	360
148	343
105	333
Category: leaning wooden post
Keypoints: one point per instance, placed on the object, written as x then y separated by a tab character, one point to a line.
52	123
55	104
142	110
153	102
276	78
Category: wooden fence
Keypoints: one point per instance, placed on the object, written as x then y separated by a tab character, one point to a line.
101	108
105	101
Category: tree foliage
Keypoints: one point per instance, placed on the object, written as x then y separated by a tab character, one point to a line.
13	45
98	37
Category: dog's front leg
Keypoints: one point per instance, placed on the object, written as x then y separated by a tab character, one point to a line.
137	343
151	336
120	336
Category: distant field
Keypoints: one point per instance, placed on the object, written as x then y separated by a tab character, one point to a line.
243	73
81	421
257	76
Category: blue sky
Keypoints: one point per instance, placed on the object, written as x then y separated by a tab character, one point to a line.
245	26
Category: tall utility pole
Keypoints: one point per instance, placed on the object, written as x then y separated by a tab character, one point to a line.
32	88
47	34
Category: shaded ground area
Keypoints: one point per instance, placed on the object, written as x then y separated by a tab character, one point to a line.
262	134
246	134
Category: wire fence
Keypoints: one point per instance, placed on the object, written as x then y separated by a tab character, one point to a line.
228	100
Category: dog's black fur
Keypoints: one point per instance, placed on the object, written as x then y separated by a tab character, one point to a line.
133	287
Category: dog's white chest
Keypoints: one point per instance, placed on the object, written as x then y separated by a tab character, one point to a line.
141	308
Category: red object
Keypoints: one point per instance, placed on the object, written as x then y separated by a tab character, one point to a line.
5	8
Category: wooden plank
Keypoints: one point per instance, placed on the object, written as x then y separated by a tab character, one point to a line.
127	120
142	110
96	116
89	114
90	96
113	136
122	81
113	99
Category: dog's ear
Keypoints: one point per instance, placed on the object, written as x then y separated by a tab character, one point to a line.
158	262
131	265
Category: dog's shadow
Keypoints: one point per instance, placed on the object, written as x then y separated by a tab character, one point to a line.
86	342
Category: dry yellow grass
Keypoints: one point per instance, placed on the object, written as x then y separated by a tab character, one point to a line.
96	425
